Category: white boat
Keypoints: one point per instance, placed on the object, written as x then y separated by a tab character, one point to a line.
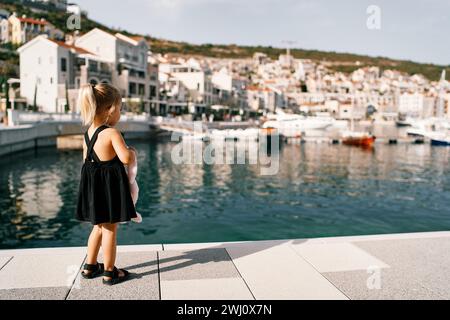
405	122
293	125
420	129
440	139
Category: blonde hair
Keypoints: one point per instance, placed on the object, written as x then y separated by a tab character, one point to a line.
95	99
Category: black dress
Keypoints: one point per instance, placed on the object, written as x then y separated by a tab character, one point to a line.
104	191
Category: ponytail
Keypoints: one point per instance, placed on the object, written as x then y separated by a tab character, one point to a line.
87	104
96	99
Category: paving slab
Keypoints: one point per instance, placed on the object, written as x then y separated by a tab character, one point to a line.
278	272
50	293
209	289
334	257
388	284
206	273
40	271
423	260
196	264
143	284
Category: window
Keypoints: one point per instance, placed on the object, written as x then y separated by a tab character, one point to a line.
51	80
152	92
93	66
104	67
132	88
141	89
63	64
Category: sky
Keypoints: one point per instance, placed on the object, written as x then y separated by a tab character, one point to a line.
417	30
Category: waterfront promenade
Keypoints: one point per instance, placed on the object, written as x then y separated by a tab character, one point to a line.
396	266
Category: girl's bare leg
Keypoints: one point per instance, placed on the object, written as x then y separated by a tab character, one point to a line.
109	245
94	243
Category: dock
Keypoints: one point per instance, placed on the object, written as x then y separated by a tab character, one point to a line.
391	266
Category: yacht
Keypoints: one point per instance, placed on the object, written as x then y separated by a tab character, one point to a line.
294	125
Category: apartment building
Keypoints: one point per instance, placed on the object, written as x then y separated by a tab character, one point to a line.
411	104
261	99
51	73
23	29
5	31
129	56
229	90
19	30
197	81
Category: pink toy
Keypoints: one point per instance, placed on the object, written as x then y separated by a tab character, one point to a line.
132	169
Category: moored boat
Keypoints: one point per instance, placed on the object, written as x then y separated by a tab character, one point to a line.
440	139
359	139
294	125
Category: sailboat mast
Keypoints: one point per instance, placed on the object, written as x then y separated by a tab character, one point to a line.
352	115
440	111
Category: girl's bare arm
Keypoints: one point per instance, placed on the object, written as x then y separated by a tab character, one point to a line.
84	151
124	153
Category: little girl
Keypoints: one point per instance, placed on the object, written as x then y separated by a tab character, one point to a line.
104	197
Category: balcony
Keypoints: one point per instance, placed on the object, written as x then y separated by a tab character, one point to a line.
98	70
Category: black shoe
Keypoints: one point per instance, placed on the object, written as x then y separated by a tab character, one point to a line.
96	269
114	275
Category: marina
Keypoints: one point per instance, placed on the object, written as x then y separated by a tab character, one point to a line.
320	189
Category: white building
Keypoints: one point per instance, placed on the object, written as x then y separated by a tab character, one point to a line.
73	8
197	81
411	104
223	80
286	61
19	30
5	31
51	71
129	55
261	99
